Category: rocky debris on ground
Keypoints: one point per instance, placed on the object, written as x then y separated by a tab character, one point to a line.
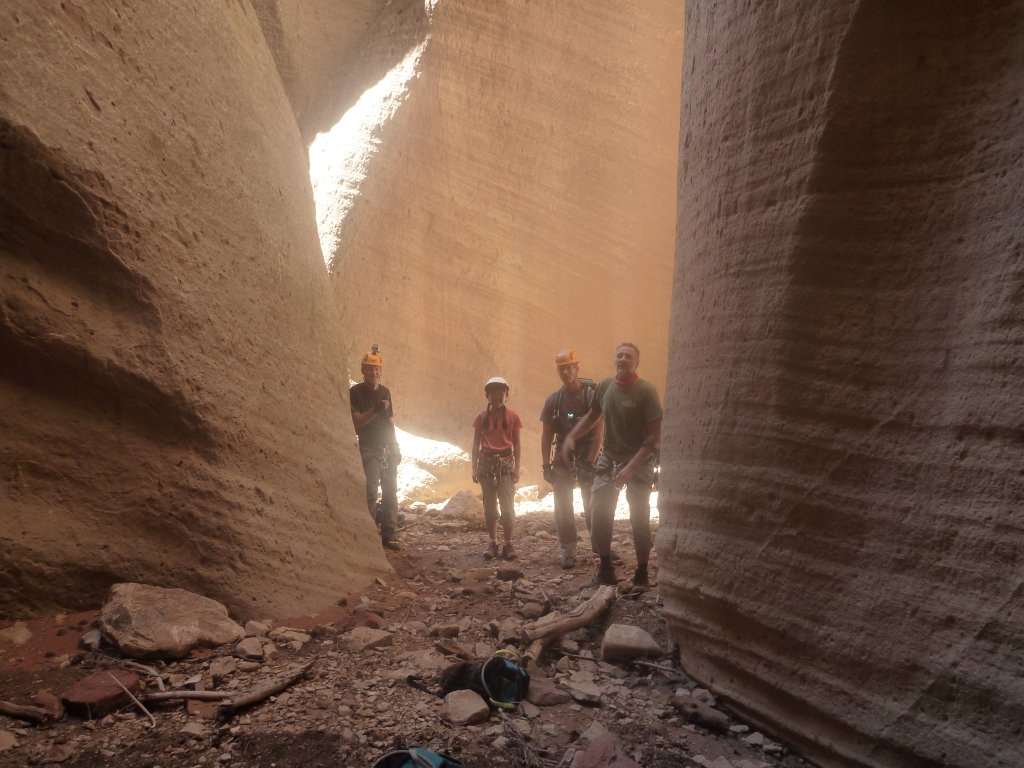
142	621
355	701
101	693
623	642
16	634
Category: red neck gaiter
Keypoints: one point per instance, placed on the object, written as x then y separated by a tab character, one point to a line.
626	384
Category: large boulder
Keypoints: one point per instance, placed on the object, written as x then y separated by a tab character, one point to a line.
840	544
142	621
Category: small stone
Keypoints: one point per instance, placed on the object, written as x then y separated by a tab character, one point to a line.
720	762
364	638
756	739
499	743
592	731
248	666
739	729
507	573
699	713
704	696
16	634
545	693
223	666
249	648
207	710
583	692
49	702
58	753
603	752
531	610
96	695
445	630
193	730
7	741
256	629
464	707
528	709
624	642
91	641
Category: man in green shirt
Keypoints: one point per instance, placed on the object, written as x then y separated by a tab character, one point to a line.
631	411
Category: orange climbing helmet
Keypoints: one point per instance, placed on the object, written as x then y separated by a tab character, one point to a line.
373	357
567	357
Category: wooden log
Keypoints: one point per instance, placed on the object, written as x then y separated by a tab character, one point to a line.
155	698
24	712
556	624
237	703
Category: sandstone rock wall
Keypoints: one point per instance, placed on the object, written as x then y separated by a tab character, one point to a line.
171	392
842	537
517	197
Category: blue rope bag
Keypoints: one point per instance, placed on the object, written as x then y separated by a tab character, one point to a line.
504	680
416	757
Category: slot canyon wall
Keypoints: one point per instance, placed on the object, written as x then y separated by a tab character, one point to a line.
842	525
515	193
172	392
490	183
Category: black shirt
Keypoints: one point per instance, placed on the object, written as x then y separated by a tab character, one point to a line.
380	430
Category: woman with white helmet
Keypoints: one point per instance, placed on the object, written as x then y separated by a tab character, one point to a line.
496	455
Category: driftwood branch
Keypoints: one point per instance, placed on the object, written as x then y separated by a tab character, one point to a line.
23	712
231	706
541	633
142	669
137	703
652	665
155	698
556	624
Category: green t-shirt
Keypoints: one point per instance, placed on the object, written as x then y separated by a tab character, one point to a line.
627	412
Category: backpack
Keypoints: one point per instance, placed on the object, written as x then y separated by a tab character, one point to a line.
568	421
416	757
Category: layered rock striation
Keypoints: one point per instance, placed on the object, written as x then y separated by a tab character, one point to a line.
172	392
514	195
842	521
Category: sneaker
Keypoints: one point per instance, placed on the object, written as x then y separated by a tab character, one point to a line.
508	552
640	577
605	574
567	560
392	544
492	551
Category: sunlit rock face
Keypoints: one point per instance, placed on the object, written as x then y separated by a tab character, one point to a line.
172	386
842	525
500	185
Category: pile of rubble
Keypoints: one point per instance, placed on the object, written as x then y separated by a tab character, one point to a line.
168	679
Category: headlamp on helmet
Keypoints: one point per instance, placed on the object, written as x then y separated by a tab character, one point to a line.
373	357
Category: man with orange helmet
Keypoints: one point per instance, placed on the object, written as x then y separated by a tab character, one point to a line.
373	417
561	411
631	411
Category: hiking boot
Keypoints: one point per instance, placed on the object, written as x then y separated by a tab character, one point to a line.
605	574
492	551
392	543
508	552
568	560
640	577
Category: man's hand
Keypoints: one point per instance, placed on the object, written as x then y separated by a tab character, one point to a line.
382	405
549	473
568	449
624	475
515	475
